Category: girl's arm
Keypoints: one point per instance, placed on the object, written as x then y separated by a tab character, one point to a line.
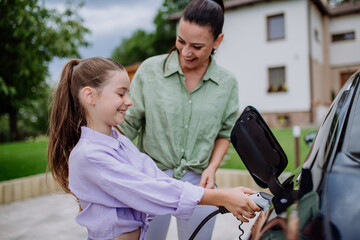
234	200
219	151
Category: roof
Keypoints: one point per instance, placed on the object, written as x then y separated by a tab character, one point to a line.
345	8
338	10
241	3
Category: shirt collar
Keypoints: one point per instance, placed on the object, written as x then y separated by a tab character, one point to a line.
173	65
100	138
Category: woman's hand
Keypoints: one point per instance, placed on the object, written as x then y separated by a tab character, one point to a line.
208	178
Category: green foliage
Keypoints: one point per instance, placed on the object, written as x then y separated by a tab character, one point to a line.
32	117
31	36
135	48
142	45
165	33
4	128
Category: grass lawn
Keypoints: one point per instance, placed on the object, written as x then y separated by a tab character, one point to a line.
287	142
23	159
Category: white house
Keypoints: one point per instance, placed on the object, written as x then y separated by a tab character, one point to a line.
290	57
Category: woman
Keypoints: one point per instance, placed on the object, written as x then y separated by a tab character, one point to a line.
184	108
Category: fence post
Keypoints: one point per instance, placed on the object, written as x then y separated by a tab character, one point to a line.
296	134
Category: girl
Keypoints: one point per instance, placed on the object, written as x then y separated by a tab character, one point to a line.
119	189
191	106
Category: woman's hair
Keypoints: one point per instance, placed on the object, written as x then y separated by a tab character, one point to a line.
68	115
208	13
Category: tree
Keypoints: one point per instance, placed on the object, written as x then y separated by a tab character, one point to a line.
142	45
135	48
31	36
165	33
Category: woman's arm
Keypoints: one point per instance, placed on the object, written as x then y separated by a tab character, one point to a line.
219	151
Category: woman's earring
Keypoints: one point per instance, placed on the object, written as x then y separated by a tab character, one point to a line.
214	51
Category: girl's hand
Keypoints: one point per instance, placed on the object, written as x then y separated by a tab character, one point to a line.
235	200
207	179
239	204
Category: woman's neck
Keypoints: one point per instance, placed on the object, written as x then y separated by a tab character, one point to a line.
194	76
199	70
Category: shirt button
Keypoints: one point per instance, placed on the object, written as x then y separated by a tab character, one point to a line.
190	101
182	150
186	126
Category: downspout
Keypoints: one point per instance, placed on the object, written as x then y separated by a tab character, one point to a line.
310	62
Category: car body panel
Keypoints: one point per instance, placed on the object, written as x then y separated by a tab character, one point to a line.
342	178
334	163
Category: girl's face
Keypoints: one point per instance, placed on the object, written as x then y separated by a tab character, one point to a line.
195	44
110	103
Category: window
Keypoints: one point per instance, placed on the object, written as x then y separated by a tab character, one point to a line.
316	34
275	27
342	36
277	81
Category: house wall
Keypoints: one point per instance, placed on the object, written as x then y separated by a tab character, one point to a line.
246	52
316	34
345	52
313	63
344	55
319	61
336	72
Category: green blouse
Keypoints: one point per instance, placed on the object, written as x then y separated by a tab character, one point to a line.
178	129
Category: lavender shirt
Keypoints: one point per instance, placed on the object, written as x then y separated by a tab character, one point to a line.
120	188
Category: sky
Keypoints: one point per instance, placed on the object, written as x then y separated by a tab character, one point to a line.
109	21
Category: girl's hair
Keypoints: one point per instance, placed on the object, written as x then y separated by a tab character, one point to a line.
68	115
204	13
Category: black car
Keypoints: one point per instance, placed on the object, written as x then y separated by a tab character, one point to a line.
321	199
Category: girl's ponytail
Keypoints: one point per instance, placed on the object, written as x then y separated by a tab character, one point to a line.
65	121
68	113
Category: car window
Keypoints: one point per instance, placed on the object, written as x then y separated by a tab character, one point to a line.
331	138
325	139
329	127
318	141
354	135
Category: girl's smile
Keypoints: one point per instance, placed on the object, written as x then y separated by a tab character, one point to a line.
110	103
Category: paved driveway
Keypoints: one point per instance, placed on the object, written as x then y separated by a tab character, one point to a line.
53	217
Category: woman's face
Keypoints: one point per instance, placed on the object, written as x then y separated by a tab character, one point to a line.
195	44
